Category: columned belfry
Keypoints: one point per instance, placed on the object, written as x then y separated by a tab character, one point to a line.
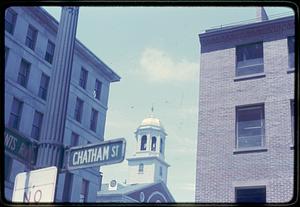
51	141
148	163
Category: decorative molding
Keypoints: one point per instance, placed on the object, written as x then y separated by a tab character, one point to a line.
246	31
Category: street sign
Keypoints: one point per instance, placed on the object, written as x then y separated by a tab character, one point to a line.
92	155
19	146
35	186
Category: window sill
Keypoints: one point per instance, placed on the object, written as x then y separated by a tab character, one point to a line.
252	76
291	70
250	150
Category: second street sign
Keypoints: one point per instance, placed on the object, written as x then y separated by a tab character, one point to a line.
19	146
92	155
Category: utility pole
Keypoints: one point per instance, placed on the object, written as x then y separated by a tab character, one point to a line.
51	148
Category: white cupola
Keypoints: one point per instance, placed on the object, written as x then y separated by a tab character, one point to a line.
148	162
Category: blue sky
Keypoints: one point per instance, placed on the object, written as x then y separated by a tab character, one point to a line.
156	52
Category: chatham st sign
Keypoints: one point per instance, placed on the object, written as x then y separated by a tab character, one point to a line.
104	153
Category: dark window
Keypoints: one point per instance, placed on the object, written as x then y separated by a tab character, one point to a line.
44	86
153	145
250	126
293	119
31	37
24	73
291	48
49	52
83	78
8	164
78	110
94	118
161	146
84	191
10	20
141	168
37	125
250	195
67	187
144	142
98	87
6	54
15	114
74	139
249	59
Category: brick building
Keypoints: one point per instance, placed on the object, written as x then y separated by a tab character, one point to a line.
246	113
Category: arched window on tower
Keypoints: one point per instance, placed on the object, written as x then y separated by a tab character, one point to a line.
141	168
161	145
144	142
153	145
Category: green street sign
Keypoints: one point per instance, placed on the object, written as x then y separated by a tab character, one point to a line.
92	155
19	146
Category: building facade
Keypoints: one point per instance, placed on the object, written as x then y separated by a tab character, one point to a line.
30	37
245	147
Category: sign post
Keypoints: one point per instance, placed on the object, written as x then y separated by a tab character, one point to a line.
35	186
92	155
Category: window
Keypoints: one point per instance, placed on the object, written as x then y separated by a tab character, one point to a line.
291	48
67	187
74	139
31	37
50	52
24	73
6	54
10	20
94	118
78	110
84	191
44	86
293	119
161	146
160	171
249	59
8	164
250	126
250	195
98	87
153	145
83	78
141	168
15	114
37	125
144	142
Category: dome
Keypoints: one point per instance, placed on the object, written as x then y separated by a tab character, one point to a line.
151	121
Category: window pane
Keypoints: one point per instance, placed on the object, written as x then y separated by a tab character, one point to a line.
251	195
44	86
50	52
291	48
83	78
249	59
250	128
31	37
15	115
10	20
78	110
23	73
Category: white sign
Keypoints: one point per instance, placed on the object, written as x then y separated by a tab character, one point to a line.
35	186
